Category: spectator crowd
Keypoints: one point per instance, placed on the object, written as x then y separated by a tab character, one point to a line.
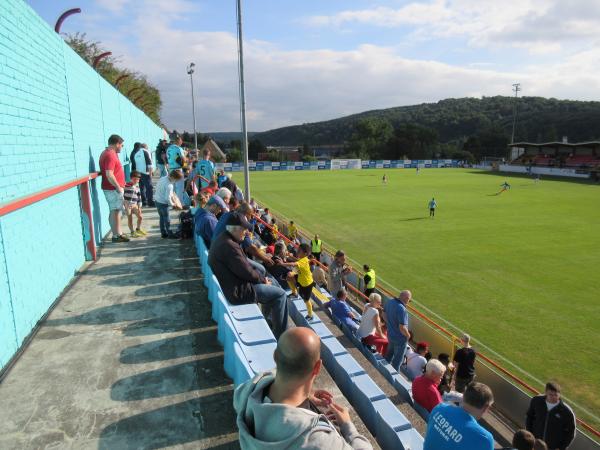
255	263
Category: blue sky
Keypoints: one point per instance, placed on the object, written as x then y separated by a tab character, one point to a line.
313	60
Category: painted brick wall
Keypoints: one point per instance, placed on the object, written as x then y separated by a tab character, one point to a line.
56	114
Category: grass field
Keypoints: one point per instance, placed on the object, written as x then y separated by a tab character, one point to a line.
519	271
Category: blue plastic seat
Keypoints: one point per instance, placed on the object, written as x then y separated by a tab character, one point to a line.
242	372
330	348
345	367
364	393
320	328
403	386
390	421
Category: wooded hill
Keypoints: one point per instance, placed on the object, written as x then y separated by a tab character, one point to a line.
480	126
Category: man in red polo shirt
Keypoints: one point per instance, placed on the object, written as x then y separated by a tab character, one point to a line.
424	388
113	182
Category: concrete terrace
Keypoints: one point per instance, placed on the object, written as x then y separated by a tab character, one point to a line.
128	358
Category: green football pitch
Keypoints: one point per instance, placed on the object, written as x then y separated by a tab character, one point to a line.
518	270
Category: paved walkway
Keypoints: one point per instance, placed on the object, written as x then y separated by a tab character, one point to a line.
128	359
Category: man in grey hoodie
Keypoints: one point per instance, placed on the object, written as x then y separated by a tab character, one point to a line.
279	410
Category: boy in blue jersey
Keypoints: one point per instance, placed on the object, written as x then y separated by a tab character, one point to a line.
175	159
455	427
205	170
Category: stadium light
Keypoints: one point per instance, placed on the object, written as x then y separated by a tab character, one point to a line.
63	16
516	88
190	72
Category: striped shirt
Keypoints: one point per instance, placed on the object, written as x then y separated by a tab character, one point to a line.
131	194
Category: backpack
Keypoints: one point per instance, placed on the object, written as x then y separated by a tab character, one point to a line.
186	225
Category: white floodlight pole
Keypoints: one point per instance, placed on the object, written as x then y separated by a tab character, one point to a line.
190	71
516	89
243	102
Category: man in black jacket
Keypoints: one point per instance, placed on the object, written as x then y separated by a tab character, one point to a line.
549	419
240	282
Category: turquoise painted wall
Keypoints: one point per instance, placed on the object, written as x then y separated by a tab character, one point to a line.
56	114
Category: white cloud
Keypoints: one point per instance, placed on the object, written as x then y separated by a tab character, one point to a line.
286	87
540	26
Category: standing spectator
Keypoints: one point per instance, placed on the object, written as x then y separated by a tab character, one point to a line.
141	161
316	245
240	282
397	325
550	419
162	163
370	330
444	385
205	170
113	182
424	387
175	157
455	427
164	199
416	361
292	231
464	364
280	410
253	204
369	279
337	270
274	229
205	219
341	310
133	204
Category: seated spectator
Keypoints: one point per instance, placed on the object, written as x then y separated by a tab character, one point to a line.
523	440
225	194
551	420
341	310
464	364
212	188
279	270
416	361
280	409
319	275
370	330
424	387
444	385
253	204
205	219
455	427
241	283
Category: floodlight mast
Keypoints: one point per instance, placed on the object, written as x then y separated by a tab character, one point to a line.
516	88
243	102
190	72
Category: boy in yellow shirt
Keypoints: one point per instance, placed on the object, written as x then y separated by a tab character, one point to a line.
302	282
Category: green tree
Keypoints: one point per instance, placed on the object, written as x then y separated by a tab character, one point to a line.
135	86
369	138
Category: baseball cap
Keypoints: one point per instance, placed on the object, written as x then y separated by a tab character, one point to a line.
236	218
216	200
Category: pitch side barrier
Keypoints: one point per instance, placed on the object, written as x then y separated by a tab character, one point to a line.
512	394
338	164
